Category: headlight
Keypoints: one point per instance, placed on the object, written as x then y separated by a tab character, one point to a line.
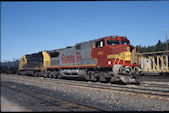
128	48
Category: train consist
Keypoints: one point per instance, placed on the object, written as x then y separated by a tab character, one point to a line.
105	59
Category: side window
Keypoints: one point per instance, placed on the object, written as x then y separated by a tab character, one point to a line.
97	44
100	44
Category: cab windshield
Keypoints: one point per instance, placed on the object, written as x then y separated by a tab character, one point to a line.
113	42
125	42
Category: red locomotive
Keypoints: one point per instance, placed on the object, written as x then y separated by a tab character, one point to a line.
104	59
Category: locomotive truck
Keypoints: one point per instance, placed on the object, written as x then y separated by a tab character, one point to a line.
104	59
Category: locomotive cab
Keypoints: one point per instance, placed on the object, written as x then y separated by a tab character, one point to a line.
115	52
112	47
114	42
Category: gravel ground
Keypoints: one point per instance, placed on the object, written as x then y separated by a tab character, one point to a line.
10	106
102	99
155	78
35	99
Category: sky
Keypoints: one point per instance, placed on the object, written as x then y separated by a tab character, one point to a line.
31	27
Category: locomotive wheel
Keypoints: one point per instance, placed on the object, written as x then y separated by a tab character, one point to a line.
24	73
102	79
92	77
59	76
54	75
35	74
45	75
86	77
115	80
40	74
19	73
112	80
50	75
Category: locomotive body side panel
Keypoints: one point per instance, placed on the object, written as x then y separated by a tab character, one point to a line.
77	56
85	53
31	62
34	61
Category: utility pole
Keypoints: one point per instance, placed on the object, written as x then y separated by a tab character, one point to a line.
166	43
167	62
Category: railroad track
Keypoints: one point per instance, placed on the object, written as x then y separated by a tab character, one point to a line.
153	84
48	102
146	90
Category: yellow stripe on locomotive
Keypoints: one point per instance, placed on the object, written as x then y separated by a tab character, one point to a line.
122	56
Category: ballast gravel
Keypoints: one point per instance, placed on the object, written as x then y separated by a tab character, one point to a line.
100	99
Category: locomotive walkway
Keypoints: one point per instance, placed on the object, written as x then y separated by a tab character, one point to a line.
115	97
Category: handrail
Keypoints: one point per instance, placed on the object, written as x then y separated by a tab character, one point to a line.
151	52
153	61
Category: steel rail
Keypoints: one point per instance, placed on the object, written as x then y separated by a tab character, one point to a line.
155	85
144	86
160	94
37	94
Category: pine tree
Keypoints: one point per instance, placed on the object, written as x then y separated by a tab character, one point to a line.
158	47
